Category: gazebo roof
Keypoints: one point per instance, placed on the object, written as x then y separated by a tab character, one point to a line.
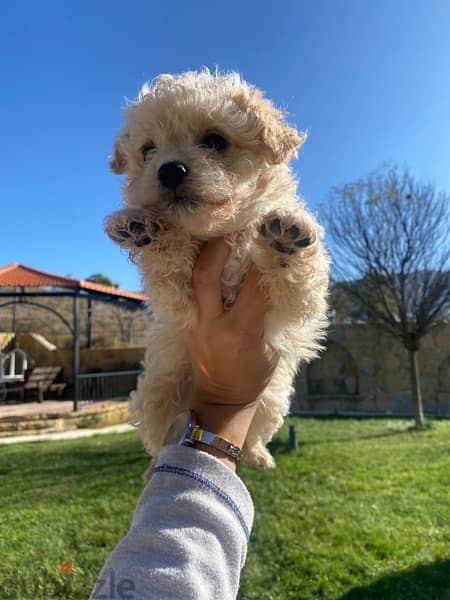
17	275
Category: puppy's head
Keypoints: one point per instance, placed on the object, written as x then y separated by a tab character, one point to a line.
196	148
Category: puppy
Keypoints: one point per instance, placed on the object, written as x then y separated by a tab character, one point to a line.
207	156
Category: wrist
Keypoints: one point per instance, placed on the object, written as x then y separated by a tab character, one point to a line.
220	428
231	422
226	460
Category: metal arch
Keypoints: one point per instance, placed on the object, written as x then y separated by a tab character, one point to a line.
76	294
55	312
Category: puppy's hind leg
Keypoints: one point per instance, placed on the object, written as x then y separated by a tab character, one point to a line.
273	406
159	399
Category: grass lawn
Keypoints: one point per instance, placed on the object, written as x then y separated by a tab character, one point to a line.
361	512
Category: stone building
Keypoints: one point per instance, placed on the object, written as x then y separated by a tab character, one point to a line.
102	323
361	370
364	370
81	326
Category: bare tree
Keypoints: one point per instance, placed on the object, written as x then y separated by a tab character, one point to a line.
390	234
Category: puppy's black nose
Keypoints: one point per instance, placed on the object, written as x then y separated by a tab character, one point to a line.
172	173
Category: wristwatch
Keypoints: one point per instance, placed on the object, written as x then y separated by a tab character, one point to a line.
194	433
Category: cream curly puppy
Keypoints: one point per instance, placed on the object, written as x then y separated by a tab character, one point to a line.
207	156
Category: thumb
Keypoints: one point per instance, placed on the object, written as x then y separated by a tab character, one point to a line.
207	277
252	303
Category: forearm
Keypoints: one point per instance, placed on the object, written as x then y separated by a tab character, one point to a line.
189	534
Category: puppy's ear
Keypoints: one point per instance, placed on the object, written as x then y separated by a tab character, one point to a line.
281	141
118	162
278	140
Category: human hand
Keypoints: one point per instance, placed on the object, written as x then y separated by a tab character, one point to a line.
231	363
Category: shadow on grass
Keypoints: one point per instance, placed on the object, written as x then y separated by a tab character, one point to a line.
279	446
35	467
411	430
355	438
426	582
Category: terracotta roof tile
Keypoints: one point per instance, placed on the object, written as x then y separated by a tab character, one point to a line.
17	275
107	289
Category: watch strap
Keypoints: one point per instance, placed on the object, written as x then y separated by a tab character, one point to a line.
194	433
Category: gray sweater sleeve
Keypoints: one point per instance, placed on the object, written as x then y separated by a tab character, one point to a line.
188	538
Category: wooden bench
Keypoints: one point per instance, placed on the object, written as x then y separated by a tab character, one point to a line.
40	379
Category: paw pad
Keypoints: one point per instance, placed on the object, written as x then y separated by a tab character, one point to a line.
131	229
285	237
137	228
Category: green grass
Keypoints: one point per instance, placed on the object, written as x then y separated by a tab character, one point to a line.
361	512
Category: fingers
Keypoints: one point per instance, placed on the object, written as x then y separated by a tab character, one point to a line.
206	278
252	303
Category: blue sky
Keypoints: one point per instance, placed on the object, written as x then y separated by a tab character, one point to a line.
370	81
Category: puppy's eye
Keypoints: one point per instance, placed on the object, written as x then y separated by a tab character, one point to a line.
147	150
215	142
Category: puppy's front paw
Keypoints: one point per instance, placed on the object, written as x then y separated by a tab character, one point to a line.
286	235
131	228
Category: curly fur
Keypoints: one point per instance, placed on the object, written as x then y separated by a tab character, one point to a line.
245	192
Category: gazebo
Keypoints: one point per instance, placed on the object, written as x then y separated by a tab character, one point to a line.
16	281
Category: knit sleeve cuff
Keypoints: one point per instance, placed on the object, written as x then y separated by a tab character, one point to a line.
211	472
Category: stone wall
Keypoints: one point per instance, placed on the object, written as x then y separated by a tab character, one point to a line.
113	325
361	369
364	370
91	359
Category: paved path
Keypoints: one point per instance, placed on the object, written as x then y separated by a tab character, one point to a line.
50	407
67	435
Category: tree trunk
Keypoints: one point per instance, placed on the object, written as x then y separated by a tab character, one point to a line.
415	386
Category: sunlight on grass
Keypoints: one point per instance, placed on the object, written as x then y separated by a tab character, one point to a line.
360	512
